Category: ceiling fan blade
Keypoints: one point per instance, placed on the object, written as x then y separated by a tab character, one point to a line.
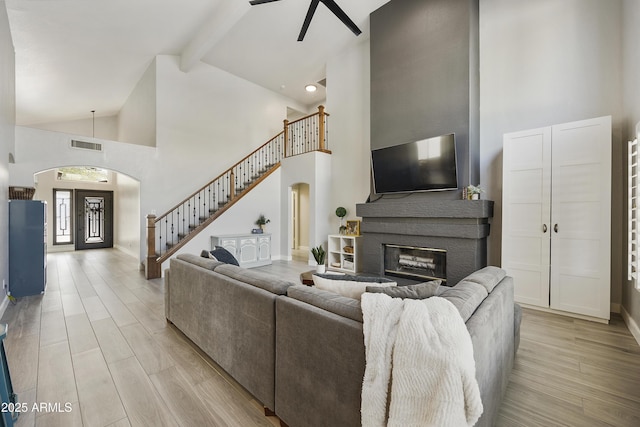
255	2
333	7
307	20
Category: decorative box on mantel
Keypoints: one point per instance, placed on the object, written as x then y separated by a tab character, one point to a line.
456	229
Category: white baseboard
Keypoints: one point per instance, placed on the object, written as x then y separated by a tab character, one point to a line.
631	324
126	251
3	305
564	313
615	308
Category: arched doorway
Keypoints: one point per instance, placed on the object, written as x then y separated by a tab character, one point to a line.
299	217
90	207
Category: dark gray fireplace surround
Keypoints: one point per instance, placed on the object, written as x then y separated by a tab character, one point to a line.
460	227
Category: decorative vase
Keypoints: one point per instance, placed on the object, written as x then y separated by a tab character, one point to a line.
475	197
321	268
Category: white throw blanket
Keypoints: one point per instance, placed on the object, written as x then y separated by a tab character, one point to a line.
420	352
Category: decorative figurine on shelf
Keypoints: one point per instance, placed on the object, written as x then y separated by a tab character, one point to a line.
353	228
262	221
319	255
341	213
473	192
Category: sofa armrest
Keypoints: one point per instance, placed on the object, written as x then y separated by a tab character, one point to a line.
319	366
167	300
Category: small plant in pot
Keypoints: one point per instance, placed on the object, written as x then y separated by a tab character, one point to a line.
262	221
319	255
341	213
473	192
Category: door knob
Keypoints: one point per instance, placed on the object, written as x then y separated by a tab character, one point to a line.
555	228
544	228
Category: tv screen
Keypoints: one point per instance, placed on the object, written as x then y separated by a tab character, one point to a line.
425	165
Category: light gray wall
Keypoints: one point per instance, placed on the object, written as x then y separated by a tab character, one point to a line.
348	103
101	127
7	132
424	77
631	99
137	117
546	62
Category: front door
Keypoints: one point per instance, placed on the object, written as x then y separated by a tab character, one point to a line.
94	219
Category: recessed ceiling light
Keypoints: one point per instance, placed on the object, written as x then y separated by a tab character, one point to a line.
310	88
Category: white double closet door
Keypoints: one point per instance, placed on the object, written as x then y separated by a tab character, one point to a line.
556	213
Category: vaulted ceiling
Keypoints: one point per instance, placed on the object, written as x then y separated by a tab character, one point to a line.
74	56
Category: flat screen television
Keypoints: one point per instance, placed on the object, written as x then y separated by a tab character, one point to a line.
425	165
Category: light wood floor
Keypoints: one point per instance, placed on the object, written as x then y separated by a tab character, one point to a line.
98	340
571	372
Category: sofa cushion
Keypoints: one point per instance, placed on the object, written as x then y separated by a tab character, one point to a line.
466	296
207	263
262	280
348	285
330	301
417	291
488	277
221	254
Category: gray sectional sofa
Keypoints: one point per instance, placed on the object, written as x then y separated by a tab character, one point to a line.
300	350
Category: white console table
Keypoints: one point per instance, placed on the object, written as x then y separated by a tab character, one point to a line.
251	250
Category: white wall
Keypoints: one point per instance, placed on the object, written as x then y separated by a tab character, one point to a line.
348	103
126	236
137	117
546	62
7	132
207	120
631	99
304	212
38	150
104	127
314	169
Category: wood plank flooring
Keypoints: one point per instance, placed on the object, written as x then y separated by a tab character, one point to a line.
98	340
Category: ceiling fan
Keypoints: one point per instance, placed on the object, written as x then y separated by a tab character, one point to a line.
331	5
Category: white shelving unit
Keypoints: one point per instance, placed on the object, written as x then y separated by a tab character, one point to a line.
344	253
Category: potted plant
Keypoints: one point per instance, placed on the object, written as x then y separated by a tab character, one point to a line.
473	192
262	221
319	255
341	213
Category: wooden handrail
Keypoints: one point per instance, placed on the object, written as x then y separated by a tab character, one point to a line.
187	218
216	178
309	115
204	225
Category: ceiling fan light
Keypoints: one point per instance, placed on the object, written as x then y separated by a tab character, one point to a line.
310	88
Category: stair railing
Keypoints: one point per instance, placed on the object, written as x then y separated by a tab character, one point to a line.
170	231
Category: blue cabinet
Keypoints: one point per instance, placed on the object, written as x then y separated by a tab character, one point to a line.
27	247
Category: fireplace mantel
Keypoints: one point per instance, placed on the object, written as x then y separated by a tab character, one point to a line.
460	227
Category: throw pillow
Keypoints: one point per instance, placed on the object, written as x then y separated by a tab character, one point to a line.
417	291
223	255
347	285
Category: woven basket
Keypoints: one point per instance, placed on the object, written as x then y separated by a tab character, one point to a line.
21	193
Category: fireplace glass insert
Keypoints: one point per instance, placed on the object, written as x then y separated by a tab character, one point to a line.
415	263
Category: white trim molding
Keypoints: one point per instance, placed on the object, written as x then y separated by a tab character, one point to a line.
631	324
3	305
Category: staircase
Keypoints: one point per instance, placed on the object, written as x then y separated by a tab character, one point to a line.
169	232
